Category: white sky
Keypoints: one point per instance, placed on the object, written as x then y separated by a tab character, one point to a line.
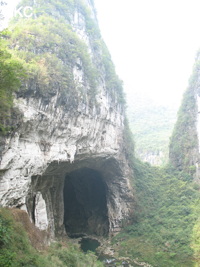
152	42
8	9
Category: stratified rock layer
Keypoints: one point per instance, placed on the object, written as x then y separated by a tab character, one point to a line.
56	148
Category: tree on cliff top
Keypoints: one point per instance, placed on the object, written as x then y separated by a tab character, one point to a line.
11	72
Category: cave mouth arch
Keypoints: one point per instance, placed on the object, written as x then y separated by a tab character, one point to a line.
85	203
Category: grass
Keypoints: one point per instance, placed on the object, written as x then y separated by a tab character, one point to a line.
20	245
162	231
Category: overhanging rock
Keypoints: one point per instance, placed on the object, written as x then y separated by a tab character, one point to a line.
66	162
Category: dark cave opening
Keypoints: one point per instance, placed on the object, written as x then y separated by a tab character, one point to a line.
85	204
89	244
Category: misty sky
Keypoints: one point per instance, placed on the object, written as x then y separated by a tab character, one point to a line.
153	43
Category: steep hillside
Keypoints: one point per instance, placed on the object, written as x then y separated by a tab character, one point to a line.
20	241
164	230
70	137
184	145
67	163
152	125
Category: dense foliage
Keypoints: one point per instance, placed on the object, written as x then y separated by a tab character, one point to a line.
56	56
52	50
165	228
48	49
168	209
16	249
184	140
11	74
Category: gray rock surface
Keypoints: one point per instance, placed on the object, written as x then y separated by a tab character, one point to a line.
53	141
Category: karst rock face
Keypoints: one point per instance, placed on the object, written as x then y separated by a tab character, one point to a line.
185	142
65	162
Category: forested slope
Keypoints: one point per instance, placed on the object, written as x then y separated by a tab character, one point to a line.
151	124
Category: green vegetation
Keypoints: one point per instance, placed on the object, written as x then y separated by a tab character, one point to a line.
16	249
52	50
113	83
184	140
11	74
196	237
152	125
47	49
165	229
168	211
129	144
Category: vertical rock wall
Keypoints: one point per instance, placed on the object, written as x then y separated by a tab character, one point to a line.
66	126
185	141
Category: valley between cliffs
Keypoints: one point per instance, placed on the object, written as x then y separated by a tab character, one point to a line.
67	167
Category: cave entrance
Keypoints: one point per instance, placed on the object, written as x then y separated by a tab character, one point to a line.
85	204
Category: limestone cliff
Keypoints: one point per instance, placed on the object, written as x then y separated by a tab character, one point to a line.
66	161
184	146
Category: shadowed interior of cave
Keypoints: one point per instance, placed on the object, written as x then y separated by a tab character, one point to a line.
85	205
89	244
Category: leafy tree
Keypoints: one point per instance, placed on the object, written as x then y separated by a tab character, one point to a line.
11	72
165	222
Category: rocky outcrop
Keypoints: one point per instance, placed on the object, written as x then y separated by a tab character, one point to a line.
66	163
155	158
184	151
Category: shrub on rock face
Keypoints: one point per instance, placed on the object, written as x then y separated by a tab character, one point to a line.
11	73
